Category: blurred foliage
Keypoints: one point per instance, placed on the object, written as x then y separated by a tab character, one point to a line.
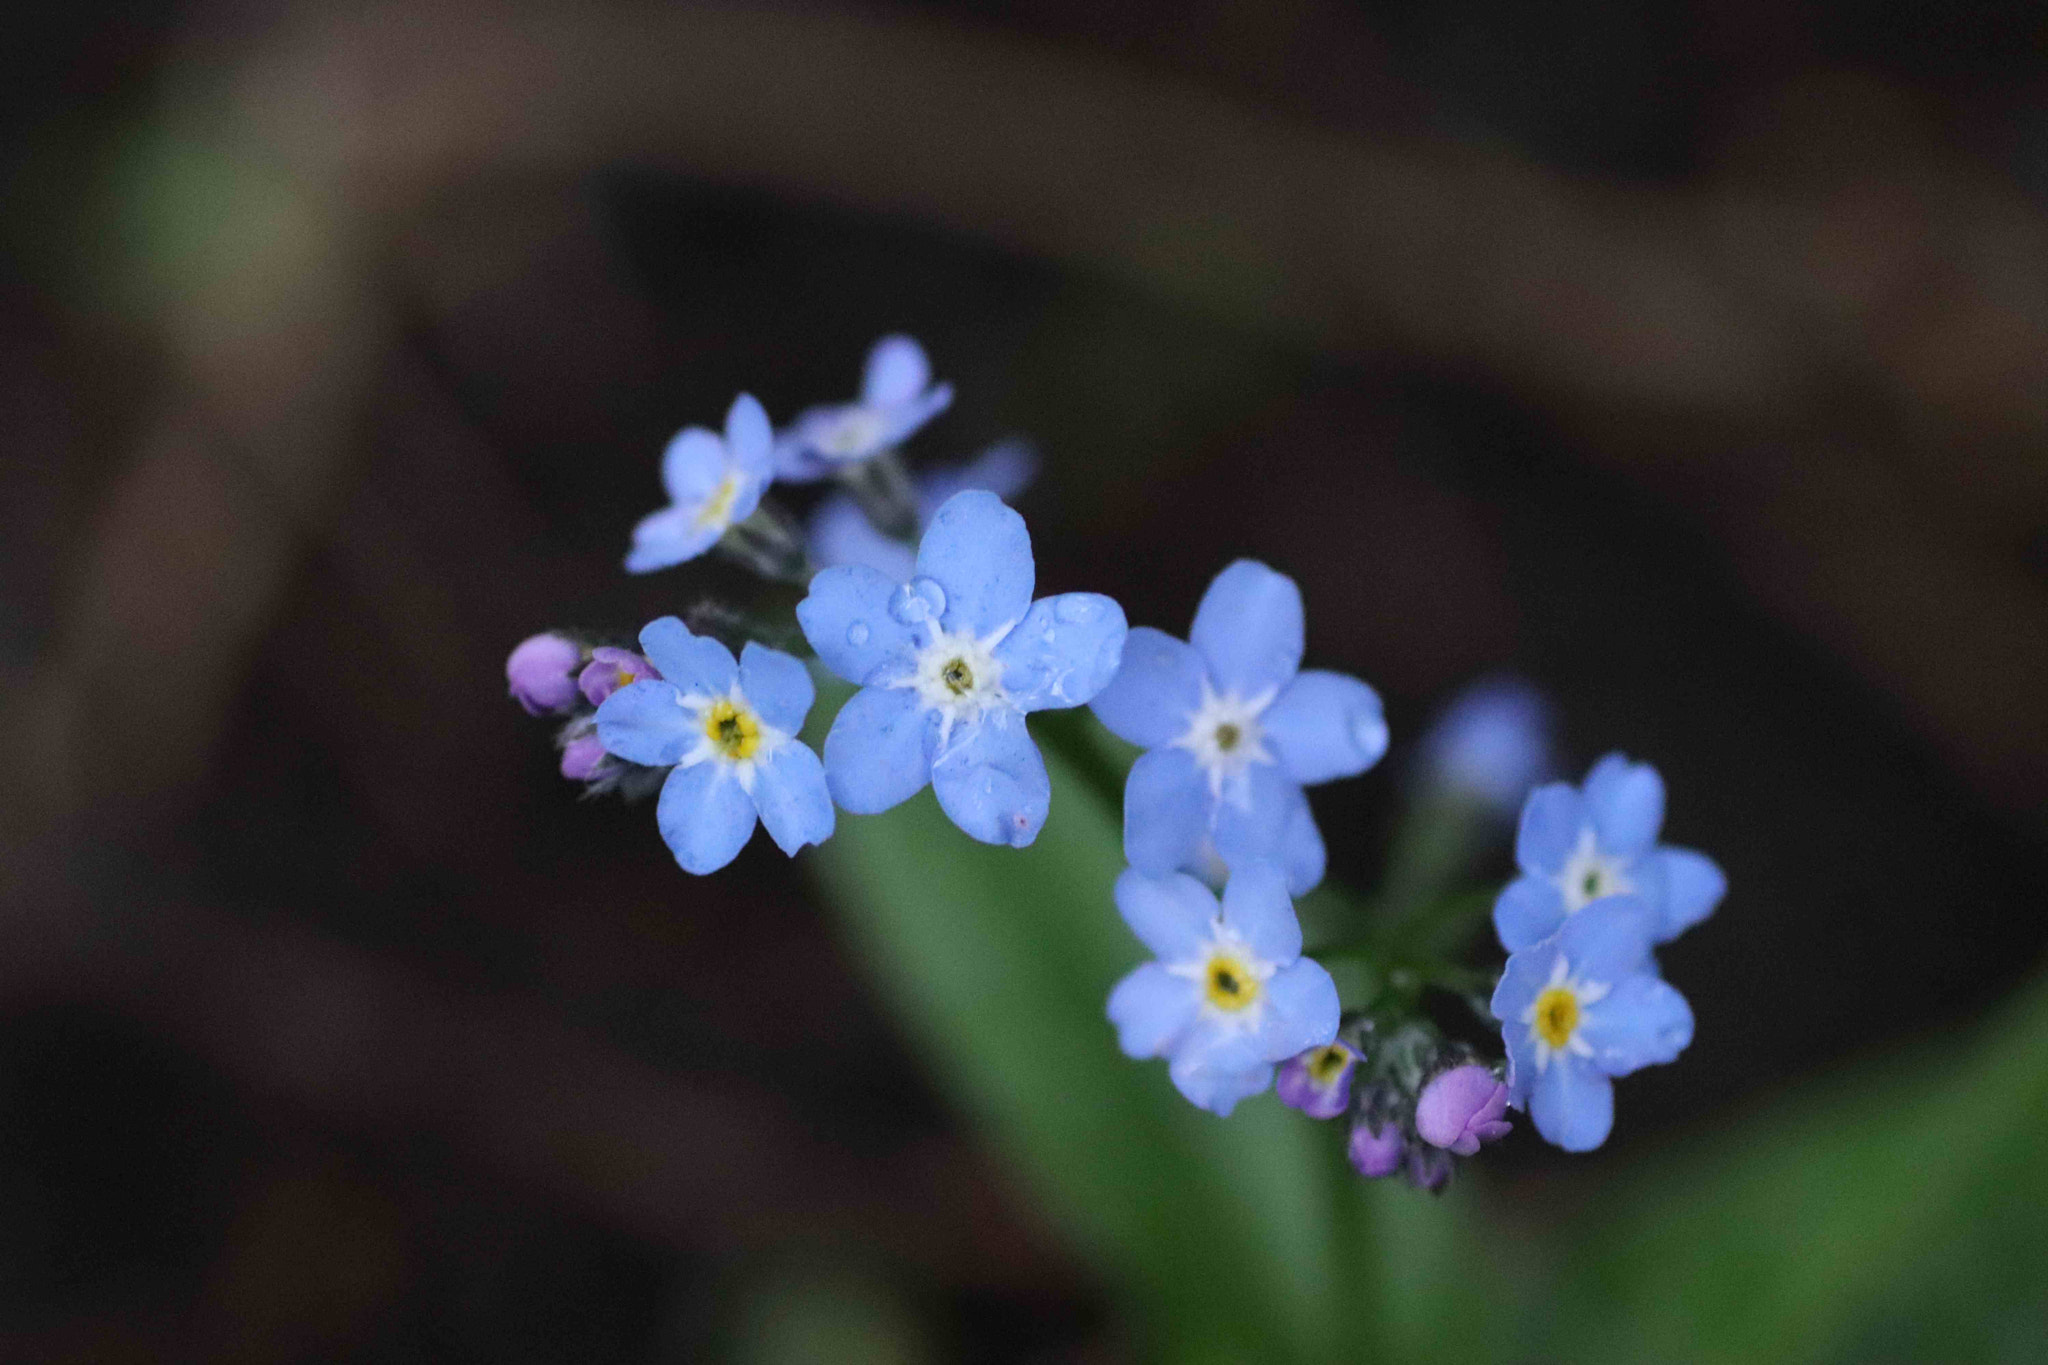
1895	1214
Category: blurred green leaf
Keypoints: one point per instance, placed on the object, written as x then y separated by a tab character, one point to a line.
999	962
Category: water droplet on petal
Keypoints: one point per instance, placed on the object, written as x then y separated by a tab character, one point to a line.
1077	608
857	634
921	599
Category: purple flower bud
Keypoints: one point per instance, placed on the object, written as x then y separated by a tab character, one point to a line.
1428	1168
610	669
1462	1108
581	758
1318	1081
539	673
1375	1152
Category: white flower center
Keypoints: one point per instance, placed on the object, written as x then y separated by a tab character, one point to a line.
1226	738
855	433
1557	1016
1230	977
730	733
1589	874
958	676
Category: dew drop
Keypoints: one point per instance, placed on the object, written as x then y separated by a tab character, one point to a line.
919	600
857	634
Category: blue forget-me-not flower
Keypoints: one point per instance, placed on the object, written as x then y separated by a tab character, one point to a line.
712	482
949	665
1580	1008
1576	845
1235	732
729	727
897	397
1230	993
839	532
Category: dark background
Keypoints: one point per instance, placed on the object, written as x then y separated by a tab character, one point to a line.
1693	364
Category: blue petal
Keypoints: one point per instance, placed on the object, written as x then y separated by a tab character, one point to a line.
896	370
979	552
1572	1104
846	618
901	419
1526	973
792	457
1004	469
1155	690
1551	820
777	686
749	439
668	537
1166	811
1248	628
645	722
1693	886
1255	904
1521	1050
1626	803
1215	1069
1150	1008
705	816
1064	651
878	752
840	533
1170	915
1301	1010
694	663
692	466
1528	909
789	791
992	783
1610	939
1324	726
1641	1022
1252	818
1301	847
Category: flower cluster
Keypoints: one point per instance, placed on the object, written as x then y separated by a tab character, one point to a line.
920	591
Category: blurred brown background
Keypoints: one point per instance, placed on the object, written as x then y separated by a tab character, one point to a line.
1693	363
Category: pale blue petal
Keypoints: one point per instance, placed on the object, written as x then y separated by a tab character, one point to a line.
644	722
1155	690
1151	1008
991	781
694	663
792	457
789	791
878	752
1521	1050
979	552
1171	915
1528	910
1249	629
1572	1105
1626	803
1520	981
749	438
1693	886
1215	1069
1166	811
1551	820
1301	1010
1255	904
1325	726
777	686
1252	818
704	816
1064	651
668	537
692	465
901	420
840	533
846	618
896	371
1641	1022
1610	939
1301	847
1004	469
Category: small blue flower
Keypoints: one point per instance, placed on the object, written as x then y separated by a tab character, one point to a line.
712	483
1490	745
950	663
840	533
1234	733
897	397
1230	993
1580	1008
1576	846
730	730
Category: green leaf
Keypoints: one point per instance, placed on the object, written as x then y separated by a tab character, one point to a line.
999	962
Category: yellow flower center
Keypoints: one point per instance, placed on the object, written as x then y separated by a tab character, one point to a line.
1557	1016
732	730
958	677
1230	985
717	509
1227	736
1327	1063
